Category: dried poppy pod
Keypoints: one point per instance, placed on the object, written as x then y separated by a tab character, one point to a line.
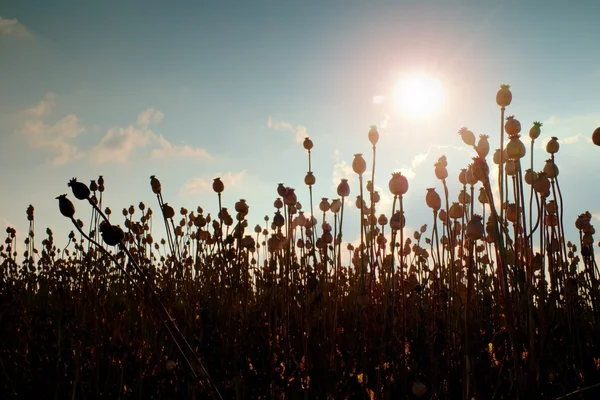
511	213
359	165
382	220
309	179
467	136
241	207
80	190
469	176
535	130
483	146
93	186
308	144
336	205
504	96
324	205
360	203
343	189
443	216
512	126
111	234
440	172
218	185
551	169
475	229
511	167
290	198
596	137
530	176
398	184
65	206
464	197
397	221
433	199
456	211
483	197
462	176
541	184
582	222
552	146
168	211
155	184
278	219
551	207
373	135
480	169
515	149
278	203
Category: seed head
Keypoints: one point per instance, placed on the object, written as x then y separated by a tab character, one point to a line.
111	234
80	190
65	206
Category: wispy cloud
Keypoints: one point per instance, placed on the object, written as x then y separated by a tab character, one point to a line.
12	27
119	144
300	131
204	183
57	138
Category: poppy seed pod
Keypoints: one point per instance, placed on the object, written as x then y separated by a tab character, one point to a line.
552	146
324	205
475	229
462	178
360	203
483	198
218	185
343	189
359	165
309	179
336	205
308	144
80	190
278	220
464	197
397	221
551	169
93	186
515	149
504	96
241	207
382	220
530	176
398	184
469	176
155	184
596	137
433	199
278	203
541	184
512	126
483	146
290	198
111	234
375	197
168	211
456	211
511	213
535	130
467	136
65	206
511	167
480	169
373	135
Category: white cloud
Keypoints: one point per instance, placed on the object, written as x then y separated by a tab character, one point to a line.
119	144
204	184
300	131
150	117
44	107
12	27
168	150
57	138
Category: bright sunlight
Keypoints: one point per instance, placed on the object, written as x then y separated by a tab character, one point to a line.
419	95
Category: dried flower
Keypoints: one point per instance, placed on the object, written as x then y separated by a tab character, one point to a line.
65	206
80	190
309	179
552	146
359	165
111	234
373	135
596	136
512	126
504	96
433	199
308	144
535	130
343	189
483	146
155	184
218	185
467	136
398	184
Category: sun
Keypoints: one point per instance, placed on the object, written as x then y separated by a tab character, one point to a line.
419	95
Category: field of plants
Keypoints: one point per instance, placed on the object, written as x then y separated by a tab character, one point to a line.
488	300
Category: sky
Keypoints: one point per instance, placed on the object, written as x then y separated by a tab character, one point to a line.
193	90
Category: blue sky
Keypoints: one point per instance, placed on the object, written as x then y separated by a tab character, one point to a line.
200	89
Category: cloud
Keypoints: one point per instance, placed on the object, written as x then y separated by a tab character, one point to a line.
410	172
12	27
167	150
569	129
119	144
44	107
299	131
204	184
57	138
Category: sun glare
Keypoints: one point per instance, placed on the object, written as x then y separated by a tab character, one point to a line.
419	95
